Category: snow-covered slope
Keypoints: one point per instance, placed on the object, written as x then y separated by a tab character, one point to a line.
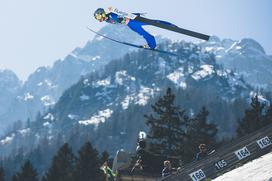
256	170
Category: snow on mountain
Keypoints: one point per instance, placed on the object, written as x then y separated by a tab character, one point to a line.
122	77
145	93
99	118
99	83
47	100
7	139
178	78
261	98
121	94
205	71
25	131
221	70
246	57
44	87
256	170
84	97
27	97
49	116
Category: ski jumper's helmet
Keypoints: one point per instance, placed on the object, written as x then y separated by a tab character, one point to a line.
100	14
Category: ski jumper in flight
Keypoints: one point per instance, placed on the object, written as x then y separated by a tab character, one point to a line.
136	26
136	22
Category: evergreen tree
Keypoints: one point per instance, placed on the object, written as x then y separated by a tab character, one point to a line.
253	118
62	166
2	174
104	157
167	126
268	115
42	155
199	131
88	166
14	178
27	173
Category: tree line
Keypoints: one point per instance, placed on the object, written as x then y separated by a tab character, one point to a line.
65	166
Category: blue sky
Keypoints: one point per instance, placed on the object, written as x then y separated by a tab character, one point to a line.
36	33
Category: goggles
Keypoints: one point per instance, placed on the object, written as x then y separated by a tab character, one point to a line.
100	16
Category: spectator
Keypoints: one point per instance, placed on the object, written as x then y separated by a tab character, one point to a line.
109	174
202	152
167	170
139	166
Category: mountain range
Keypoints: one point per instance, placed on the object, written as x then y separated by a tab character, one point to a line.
43	87
102	91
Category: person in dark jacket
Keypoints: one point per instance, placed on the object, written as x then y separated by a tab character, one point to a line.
202	152
167	170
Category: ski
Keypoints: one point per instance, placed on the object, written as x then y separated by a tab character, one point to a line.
133	45
172	27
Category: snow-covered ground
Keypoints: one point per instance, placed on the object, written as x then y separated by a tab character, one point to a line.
257	170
